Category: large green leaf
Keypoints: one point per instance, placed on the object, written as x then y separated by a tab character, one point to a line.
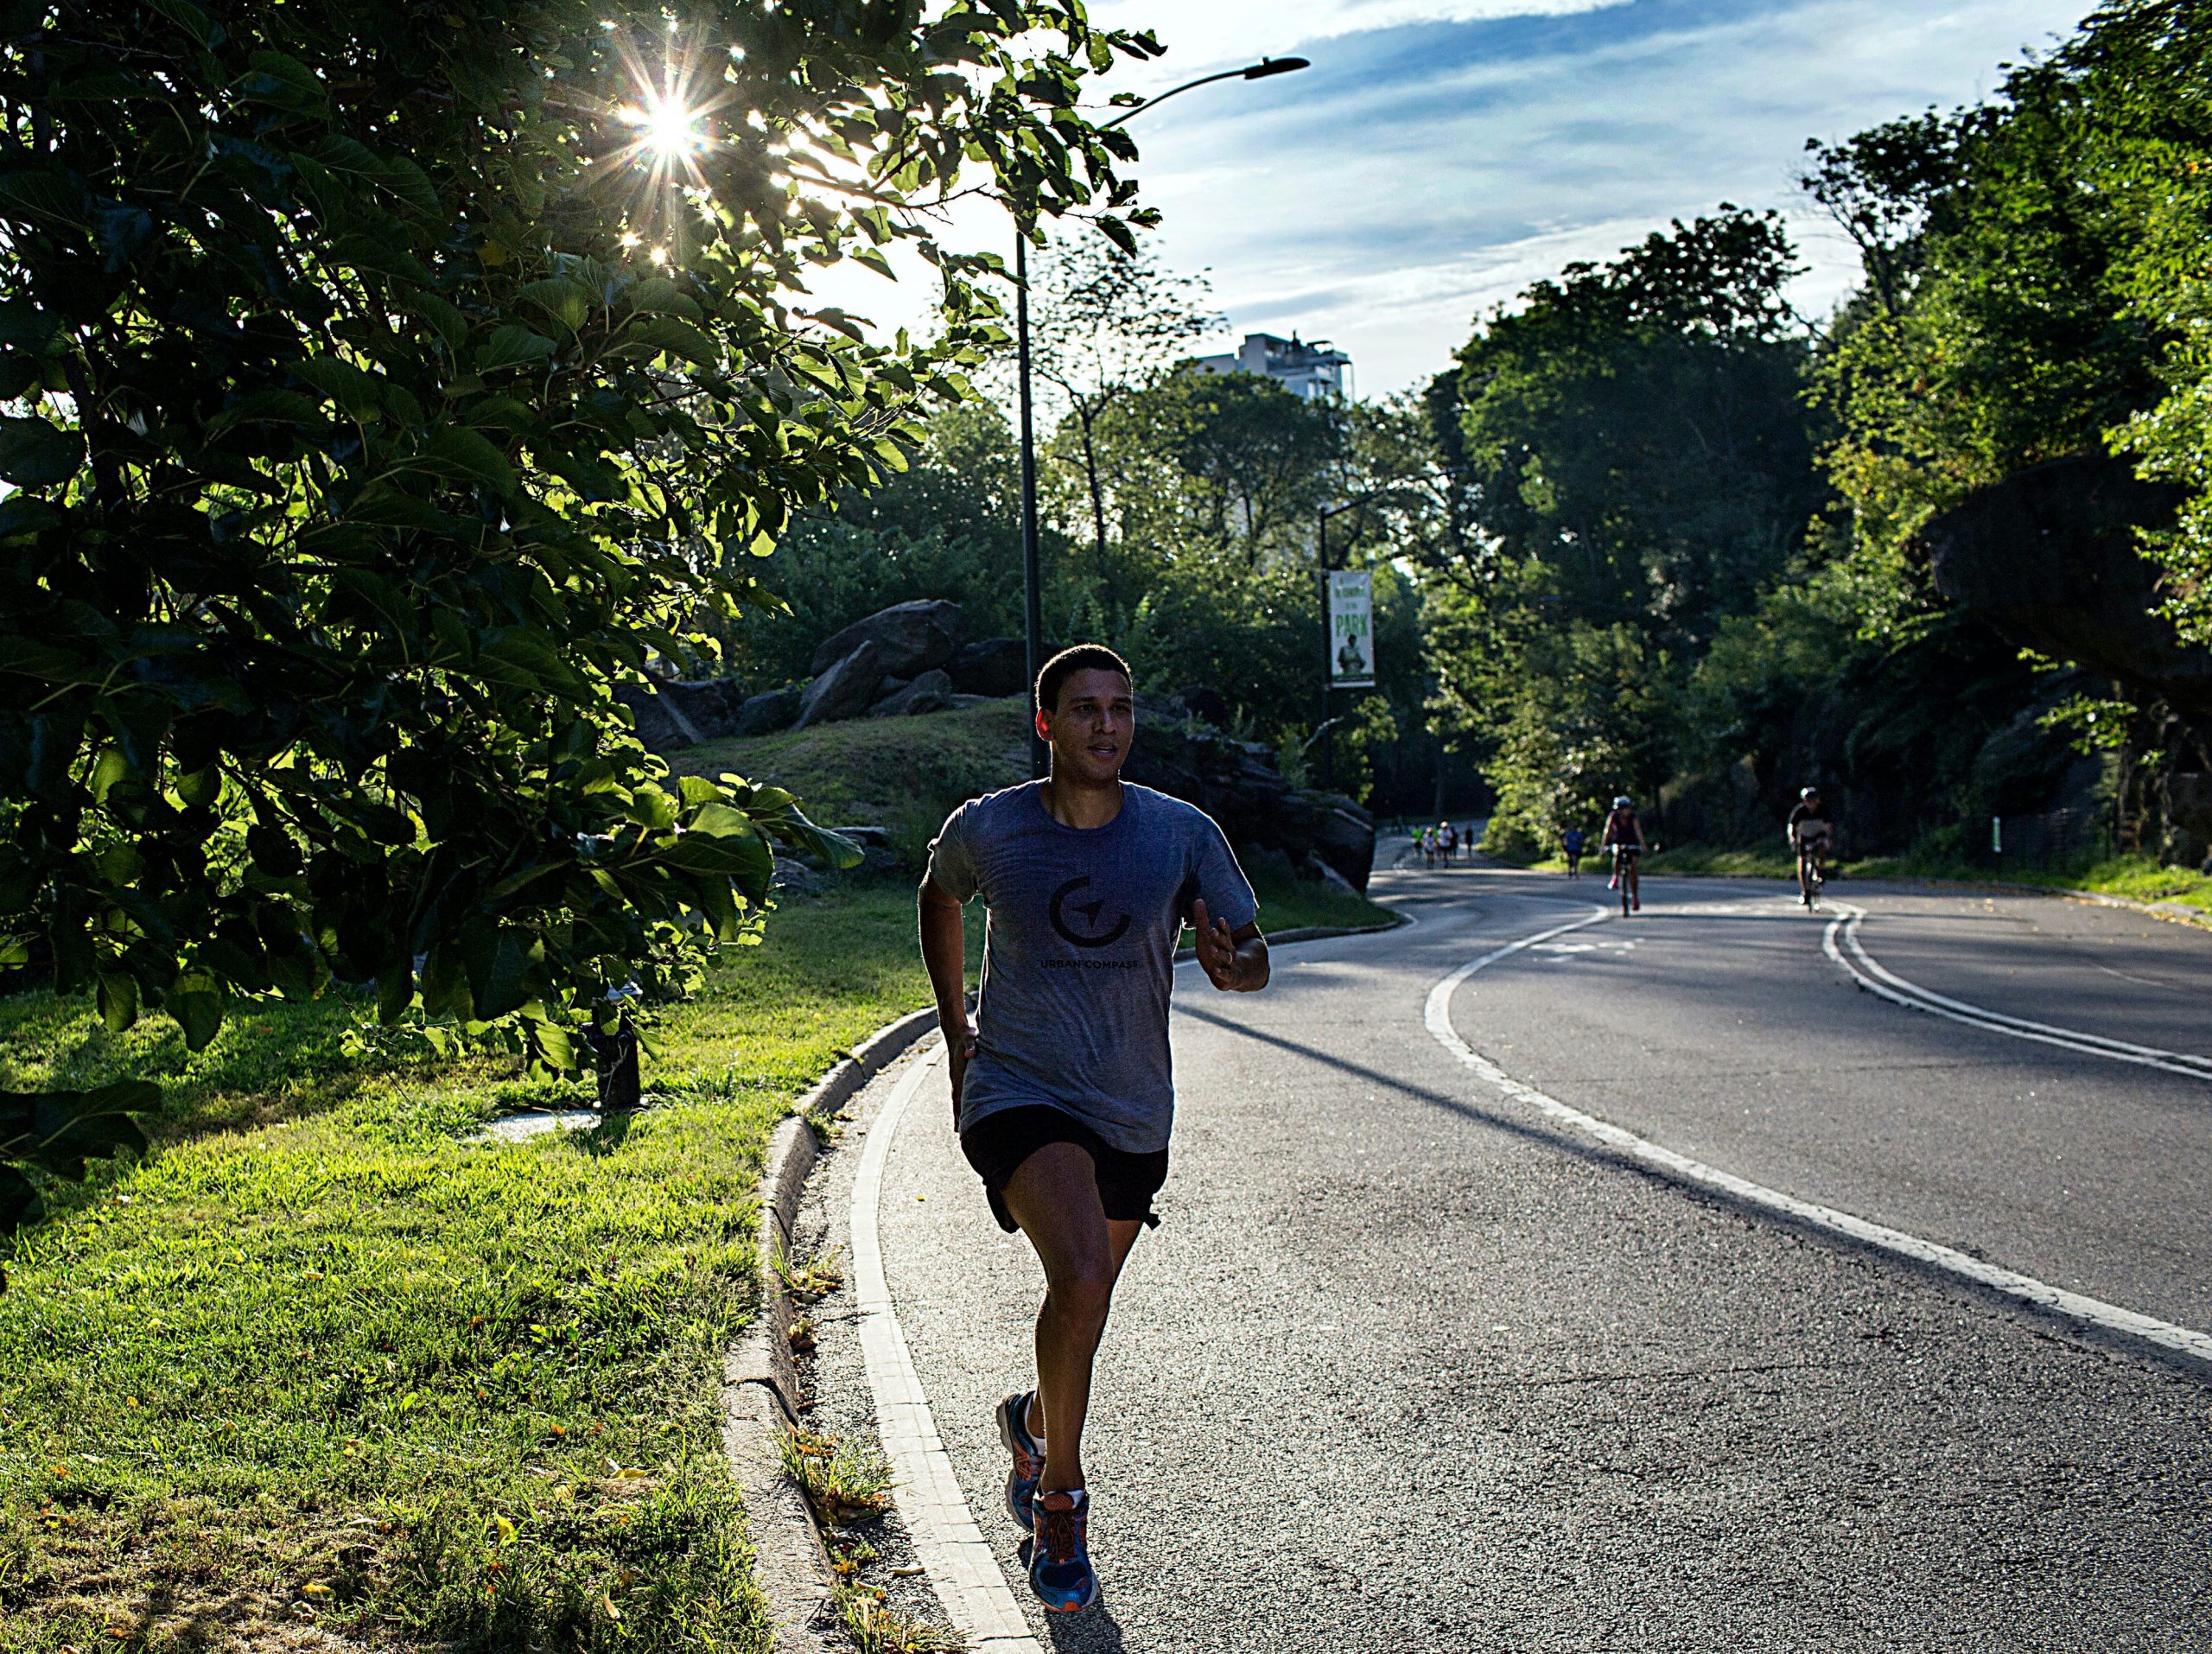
457	451
43	198
35	454
514	345
198	1002
500	965
58	1131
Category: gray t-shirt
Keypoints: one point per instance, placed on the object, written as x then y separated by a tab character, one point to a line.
1079	952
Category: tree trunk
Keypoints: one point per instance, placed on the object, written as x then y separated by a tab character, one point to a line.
1084	417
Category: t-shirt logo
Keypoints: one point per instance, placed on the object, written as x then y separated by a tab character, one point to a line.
1089	936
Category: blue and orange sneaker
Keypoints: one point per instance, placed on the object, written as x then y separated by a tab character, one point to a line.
1059	1557
1028	1457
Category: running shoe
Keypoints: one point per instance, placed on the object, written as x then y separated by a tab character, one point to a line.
1028	1458
1059	1557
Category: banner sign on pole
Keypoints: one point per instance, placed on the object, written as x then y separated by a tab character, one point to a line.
1351	628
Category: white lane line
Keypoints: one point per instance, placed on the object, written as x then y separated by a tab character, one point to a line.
947	1542
1852	955
2026	1288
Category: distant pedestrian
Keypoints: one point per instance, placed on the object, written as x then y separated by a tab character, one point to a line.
1062	1092
1572	842
1428	847
1451	843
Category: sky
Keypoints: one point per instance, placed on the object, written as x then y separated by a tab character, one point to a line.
1440	154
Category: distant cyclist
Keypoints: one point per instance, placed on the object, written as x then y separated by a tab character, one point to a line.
1811	827
1574	842
1623	837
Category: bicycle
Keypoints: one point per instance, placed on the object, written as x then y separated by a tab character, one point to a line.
1624	857
1810	878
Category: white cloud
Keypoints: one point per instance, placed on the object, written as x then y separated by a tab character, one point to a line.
1218	32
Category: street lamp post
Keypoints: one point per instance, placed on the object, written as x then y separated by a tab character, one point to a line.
1032	586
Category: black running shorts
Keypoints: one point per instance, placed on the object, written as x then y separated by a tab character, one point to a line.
997	1144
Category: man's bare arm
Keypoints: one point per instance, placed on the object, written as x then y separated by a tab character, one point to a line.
945	956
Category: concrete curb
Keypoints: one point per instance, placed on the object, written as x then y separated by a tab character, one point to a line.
761	1393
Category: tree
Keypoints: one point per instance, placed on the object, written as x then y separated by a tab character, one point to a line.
1230	458
1631	463
1632	435
387	385
1879	186
1101	319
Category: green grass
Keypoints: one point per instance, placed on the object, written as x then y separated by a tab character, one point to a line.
318	1365
2137	877
1286	904
905	775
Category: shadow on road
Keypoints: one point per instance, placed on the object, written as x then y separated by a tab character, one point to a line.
1094	1633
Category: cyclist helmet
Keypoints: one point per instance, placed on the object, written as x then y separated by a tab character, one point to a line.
1808	792
1622	803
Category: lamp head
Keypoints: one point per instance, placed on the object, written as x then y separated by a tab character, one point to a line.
1268	66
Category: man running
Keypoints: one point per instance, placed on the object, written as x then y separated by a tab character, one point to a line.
1624	836
1810	829
1572	843
1062	1093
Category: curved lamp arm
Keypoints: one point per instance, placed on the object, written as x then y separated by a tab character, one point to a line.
1260	71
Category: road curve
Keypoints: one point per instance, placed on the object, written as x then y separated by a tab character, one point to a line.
1407	1367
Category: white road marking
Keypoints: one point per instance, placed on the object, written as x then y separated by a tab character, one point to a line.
2024	1288
1844	930
946	1540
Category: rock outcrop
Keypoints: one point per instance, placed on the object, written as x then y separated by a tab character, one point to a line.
1237	783
2049	558
992	666
682	712
930	693
847	690
767	712
911	639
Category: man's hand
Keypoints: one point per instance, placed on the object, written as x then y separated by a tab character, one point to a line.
960	1046
1232	962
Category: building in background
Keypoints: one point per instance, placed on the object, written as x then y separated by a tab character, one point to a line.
1305	370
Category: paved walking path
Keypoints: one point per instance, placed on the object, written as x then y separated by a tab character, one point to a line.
1410	1367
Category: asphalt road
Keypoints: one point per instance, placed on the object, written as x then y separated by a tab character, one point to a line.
1407	1368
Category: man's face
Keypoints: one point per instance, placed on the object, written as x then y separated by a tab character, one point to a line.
1091	727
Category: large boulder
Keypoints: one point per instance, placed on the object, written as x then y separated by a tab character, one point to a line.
912	638
930	693
766	713
663	730
2050	557
846	690
992	666
682	712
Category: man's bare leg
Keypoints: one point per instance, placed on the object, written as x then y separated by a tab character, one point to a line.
1053	1195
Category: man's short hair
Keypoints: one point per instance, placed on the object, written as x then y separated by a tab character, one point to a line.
1084	656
